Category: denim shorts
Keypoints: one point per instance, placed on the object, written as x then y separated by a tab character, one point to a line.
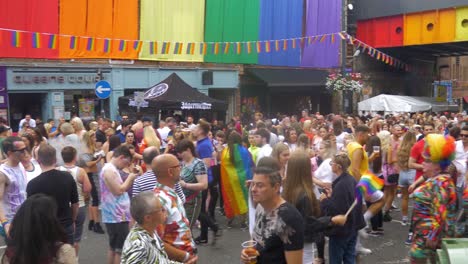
406	177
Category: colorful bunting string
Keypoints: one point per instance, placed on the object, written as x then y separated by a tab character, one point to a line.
37	39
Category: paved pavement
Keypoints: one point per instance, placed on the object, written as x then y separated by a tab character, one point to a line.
388	249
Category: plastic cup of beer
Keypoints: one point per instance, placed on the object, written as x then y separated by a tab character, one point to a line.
250	250
376	149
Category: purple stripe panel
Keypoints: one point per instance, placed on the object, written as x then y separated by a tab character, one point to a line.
3	88
323	16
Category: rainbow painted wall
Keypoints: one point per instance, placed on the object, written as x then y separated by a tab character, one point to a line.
176	21
428	27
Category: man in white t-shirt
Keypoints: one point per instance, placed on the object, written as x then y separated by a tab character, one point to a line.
262	137
27	119
163	130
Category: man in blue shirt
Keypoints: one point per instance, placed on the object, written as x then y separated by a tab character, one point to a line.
205	152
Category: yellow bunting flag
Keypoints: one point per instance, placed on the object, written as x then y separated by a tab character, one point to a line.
216	48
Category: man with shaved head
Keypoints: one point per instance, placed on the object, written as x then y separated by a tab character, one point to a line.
175	233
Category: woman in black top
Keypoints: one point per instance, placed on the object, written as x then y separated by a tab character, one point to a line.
298	191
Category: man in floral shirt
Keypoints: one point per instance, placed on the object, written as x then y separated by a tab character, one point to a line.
175	233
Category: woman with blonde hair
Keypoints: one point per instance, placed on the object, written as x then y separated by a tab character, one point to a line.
89	162
281	154
78	126
307	127
407	175
149	139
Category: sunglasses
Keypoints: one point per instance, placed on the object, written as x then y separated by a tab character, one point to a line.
20	150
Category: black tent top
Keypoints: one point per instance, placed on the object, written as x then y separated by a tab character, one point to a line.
175	94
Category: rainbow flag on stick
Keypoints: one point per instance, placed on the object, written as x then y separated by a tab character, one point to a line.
368	185
36	40
16	39
52	41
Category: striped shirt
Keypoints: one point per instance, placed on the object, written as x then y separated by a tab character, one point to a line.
147	182
141	247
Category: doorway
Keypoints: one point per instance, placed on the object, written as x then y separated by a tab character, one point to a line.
22	104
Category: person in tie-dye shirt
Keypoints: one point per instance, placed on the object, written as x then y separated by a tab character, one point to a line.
435	200
115	202
175	232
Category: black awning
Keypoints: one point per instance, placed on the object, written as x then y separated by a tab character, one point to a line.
290	77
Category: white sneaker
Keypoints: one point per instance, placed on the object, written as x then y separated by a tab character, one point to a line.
362	233
363	251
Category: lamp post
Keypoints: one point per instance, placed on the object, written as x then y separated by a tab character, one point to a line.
347	95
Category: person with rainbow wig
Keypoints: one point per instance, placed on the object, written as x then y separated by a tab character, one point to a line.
434	200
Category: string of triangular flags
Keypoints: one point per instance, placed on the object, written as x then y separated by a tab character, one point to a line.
50	40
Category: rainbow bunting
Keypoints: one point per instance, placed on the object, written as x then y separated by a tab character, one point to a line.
226	47
107	45
36	40
267	46
216	48
249	47
322	39
368	185
378	55
90	45
189	47
166	47
351	40
276	45
52	41
73	42
342	35
259	47
181	48
238	48
302	42
16	39
285	44
122	45
332	38
233	176
309	40
203	48
293	43
153	47
137	45
178	48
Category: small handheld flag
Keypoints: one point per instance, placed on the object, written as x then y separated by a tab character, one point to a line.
368	185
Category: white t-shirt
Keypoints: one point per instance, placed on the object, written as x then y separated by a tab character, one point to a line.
36	171
264	151
163	132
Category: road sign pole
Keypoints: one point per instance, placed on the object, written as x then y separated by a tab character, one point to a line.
103	112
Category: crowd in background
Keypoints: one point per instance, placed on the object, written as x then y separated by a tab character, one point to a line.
289	181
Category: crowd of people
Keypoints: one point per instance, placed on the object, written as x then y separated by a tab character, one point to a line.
289	181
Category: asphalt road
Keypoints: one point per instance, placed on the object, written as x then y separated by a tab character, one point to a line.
387	249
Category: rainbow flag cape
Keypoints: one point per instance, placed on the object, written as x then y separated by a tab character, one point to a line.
233	177
368	185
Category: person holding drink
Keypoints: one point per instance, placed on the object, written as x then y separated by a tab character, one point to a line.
279	227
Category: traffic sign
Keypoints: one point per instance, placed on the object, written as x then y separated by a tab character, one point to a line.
103	89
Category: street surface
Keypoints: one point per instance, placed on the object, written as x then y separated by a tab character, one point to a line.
388	249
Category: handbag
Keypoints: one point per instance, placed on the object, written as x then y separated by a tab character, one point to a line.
390	174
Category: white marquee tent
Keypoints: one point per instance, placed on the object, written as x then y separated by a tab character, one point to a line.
401	103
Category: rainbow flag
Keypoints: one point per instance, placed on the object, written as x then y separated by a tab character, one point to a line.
293	43
216	48
267	46
368	185
107	45
153	47
233	178
322	39
180	48
332	38
342	35
226	47
259	47
166	47
249	47
122	45
189	48
276	45
73	42
238	48
302	42
137	45
203	47
90	45
285	44
52	41
16	39
36	40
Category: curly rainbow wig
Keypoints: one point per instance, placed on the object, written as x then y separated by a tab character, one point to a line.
440	149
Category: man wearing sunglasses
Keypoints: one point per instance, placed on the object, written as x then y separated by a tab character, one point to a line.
12	182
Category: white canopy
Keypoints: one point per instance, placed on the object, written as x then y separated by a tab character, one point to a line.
401	103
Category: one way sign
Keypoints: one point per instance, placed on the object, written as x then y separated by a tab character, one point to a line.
103	89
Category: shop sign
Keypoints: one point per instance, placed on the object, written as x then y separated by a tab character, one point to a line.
199	106
47	79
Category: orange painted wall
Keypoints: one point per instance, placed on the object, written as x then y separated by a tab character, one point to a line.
429	27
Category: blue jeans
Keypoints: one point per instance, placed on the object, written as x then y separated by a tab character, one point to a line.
342	249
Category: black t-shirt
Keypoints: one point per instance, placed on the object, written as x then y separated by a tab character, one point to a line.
278	231
101	136
62	187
